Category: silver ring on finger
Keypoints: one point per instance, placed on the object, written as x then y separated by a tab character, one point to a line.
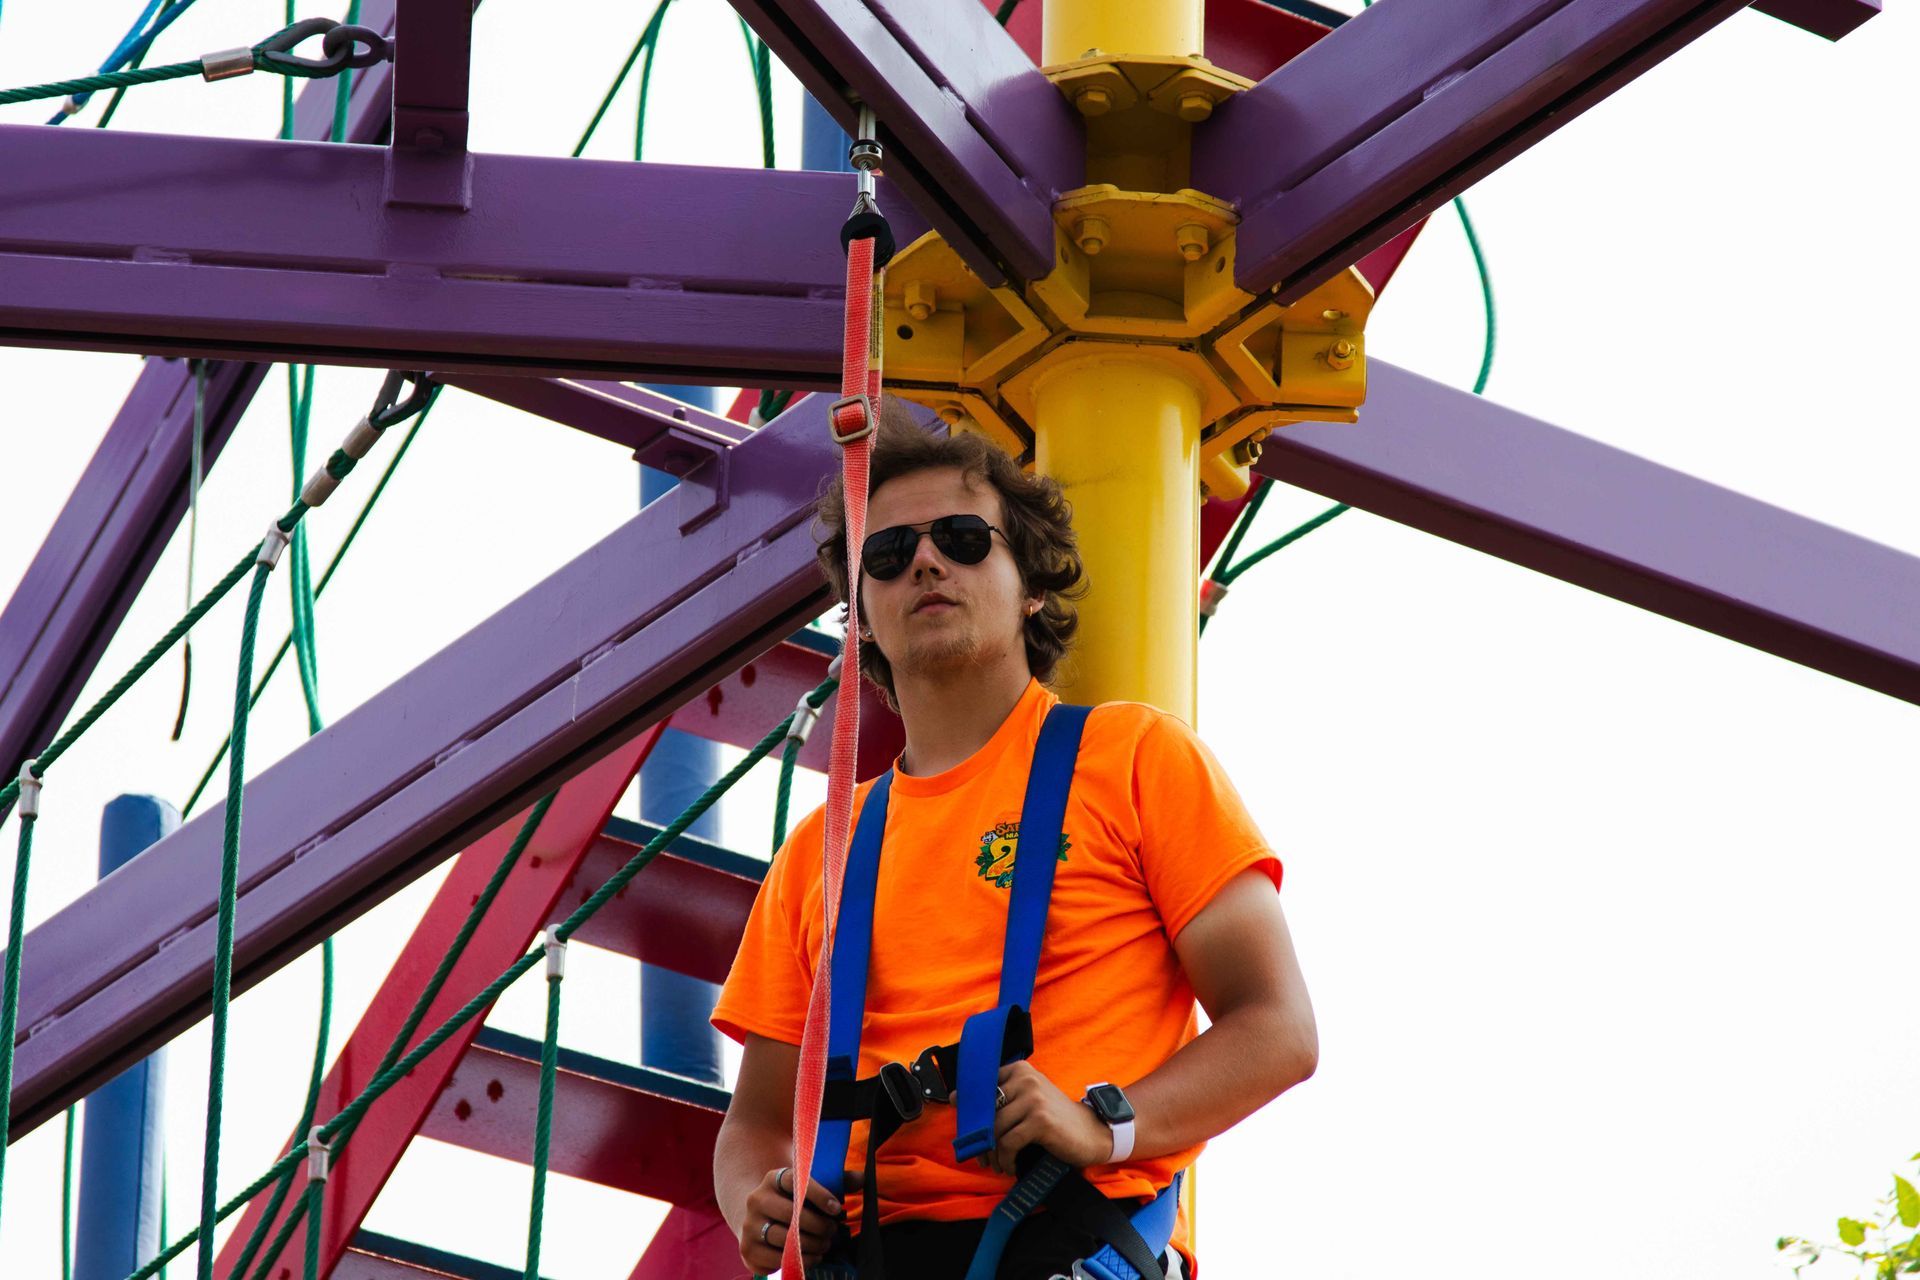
766	1227
999	1098
780	1177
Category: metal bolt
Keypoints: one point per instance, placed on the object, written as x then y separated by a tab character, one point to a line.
921	299
1193	241
1333	315
1194	107
1092	234
429	139
951	413
1340	354
1093	101
1247	452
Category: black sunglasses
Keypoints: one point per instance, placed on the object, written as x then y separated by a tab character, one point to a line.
963	539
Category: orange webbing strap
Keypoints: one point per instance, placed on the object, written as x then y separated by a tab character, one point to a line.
853	417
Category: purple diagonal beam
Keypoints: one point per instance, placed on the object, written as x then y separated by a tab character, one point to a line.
975	134
1404	107
286	250
1829	18
1452	464
131	496
611	643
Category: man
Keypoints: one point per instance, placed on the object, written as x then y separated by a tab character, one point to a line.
1164	892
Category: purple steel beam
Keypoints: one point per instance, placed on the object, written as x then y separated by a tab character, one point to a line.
1405	106
1829	18
227	248
1452	464
104	544
131	496
610	644
643	1131
664	433
427	160
975	134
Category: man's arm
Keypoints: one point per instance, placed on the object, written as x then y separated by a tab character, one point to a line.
1239	957
751	1158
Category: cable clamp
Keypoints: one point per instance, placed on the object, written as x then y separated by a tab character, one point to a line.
29	790
805	716
556	952
319	487
1212	592
226	64
319	1155
72	106
361	439
865	422
274	543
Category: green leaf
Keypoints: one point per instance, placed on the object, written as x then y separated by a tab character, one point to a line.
1852	1232
1909	1201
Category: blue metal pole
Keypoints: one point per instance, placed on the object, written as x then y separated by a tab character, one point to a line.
674	1032
822	143
121	1145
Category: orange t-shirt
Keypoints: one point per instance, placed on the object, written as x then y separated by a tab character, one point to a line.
1153	830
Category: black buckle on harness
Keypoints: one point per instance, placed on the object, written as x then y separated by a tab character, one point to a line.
932	1076
901	1090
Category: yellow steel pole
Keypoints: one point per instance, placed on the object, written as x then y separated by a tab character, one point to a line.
1121	432
1071	29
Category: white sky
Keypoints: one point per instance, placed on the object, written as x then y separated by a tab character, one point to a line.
1607	921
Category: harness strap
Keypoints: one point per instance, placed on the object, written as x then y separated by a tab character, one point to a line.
983	1038
1132	1245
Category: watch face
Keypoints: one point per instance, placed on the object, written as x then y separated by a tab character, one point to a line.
1110	1104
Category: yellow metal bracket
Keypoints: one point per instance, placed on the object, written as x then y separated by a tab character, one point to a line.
1143	263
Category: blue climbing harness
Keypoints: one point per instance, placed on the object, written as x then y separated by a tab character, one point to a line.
967	1073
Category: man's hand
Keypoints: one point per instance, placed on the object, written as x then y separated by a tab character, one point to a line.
1037	1114
763	1229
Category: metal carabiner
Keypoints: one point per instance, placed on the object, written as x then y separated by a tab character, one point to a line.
388	408
339	41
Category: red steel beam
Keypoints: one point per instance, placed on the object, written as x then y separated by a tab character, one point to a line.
570	829
638	1130
687	910
692	1244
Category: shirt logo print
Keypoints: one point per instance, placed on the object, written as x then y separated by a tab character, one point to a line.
998	849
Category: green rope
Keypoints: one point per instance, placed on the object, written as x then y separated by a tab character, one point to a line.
300	573
784	795
415	1016
654	25
223	945
136	75
279	654
639	46
9	1014
315	1191
1005	11
542	1125
1486	294
1227	575
66	1199
11	790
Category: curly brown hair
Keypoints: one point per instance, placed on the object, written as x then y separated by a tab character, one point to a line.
1038	526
